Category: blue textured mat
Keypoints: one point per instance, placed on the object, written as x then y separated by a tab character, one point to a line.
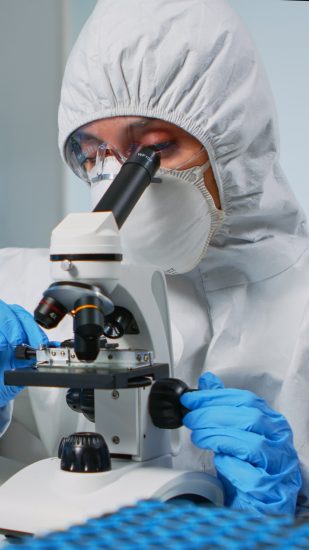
175	525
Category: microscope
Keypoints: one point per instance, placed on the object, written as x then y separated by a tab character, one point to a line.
118	368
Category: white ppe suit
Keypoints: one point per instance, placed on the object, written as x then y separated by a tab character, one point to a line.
243	313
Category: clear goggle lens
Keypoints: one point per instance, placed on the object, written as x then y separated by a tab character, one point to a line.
86	154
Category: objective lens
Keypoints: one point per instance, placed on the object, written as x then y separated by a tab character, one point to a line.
49	312
88	327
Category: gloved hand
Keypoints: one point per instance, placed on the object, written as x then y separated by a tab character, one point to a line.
17	326
252	444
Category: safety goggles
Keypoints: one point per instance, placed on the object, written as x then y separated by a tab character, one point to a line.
86	154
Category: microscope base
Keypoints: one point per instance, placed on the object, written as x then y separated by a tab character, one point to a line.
42	497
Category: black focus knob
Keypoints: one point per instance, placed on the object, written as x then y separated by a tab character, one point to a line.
84	452
164	405
23	351
81	400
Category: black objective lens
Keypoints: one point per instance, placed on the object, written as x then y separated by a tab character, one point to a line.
88	327
49	312
118	323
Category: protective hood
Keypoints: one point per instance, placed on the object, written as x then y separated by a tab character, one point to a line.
193	64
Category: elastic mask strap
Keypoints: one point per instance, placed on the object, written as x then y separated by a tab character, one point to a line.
194	156
185	175
204	167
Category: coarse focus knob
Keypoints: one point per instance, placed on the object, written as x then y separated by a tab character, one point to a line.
165	408
84	452
81	400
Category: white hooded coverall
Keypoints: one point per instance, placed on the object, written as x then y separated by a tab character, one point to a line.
243	312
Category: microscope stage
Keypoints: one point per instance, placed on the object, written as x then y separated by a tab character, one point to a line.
86	377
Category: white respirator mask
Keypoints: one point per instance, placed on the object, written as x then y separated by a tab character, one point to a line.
172	223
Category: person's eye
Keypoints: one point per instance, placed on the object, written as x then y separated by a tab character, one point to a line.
89	162
89	156
165	148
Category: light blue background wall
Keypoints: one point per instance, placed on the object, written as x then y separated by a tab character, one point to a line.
31	185
76	194
35	38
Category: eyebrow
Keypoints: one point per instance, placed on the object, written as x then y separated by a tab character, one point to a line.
138	124
141	122
85	135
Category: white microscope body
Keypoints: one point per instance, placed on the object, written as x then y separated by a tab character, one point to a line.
44	497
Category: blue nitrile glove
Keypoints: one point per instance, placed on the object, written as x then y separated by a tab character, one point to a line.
252	444
17	326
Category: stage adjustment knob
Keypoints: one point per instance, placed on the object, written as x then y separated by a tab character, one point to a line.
84	452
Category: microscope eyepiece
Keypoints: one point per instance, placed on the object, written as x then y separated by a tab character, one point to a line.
129	184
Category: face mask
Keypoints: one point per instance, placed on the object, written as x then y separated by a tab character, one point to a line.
173	221
98	188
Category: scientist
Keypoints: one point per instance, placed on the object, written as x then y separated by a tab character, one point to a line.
220	220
